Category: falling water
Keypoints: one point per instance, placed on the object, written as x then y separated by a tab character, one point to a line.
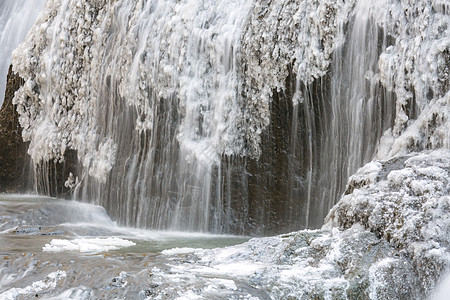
169	100
16	19
361	108
333	123
238	117
162	110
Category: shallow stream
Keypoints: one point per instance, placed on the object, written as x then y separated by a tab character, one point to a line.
59	249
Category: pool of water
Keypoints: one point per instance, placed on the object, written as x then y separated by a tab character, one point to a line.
59	249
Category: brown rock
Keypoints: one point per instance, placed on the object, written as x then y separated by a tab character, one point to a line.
14	161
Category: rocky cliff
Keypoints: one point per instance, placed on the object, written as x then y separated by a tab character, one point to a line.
16	171
13	158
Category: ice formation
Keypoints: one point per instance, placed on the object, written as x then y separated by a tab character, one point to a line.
75	65
405	201
16	19
177	80
388	238
283	33
153	94
91	245
303	265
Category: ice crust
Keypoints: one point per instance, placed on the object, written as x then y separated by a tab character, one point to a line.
185	83
222	73
215	65
388	238
16	19
92	245
429	131
350	264
407	204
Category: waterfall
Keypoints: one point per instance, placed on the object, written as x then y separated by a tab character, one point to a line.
16	19
361	109
162	111
244	117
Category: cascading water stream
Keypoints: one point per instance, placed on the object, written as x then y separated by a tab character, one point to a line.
16	18
338	119
169	98
361	108
241	117
179	106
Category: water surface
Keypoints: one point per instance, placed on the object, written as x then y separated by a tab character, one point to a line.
57	248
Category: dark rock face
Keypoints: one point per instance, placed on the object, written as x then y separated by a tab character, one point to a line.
50	177
16	173
14	162
273	190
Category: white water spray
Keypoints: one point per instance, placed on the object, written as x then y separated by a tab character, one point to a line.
16	18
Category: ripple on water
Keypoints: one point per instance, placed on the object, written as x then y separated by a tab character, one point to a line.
59	249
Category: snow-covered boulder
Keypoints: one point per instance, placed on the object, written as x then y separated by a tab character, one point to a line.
404	201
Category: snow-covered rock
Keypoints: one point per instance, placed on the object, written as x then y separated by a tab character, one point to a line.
318	264
404	201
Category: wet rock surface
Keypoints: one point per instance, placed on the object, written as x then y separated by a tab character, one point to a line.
310	264
15	164
386	239
13	157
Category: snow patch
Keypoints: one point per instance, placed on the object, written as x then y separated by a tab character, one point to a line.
92	245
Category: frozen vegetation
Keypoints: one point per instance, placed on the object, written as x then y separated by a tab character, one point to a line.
220	64
16	19
239	51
